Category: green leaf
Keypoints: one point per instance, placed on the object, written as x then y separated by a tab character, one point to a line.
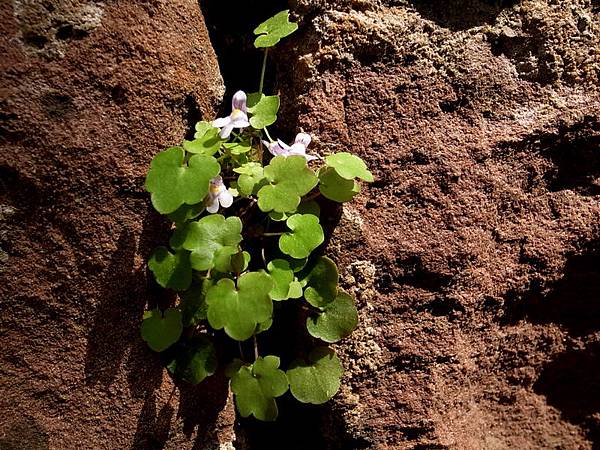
289	179
283	277
193	303
349	166
256	386
336	321
160	332
264	326
172	183
310	207
240	261
194	360
186	212
238	148
263	109
212	241
172	271
202	128
322	282
206	142
306	235
317	380
336	188
252	175
240	310
274	29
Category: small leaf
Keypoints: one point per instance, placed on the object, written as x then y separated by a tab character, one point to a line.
349	166
186	212
336	321
160	332
264	326
238	148
212	240
336	188
207	143
263	110
193	303
289	179
172	183
274	29
283	277
239	310
322	282
249	181
201	128
310	207
172	271
256	386
194	360
306	235
239	262
317	380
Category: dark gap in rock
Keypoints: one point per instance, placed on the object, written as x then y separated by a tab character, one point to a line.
35	40
192	115
67	32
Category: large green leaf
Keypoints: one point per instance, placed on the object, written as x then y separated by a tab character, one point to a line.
289	179
263	110
239	310
160	332
194	360
336	188
336	321
212	241
193	302
317	380
186	212
321	282
349	166
170	270
306	234
206	140
173	183
274	29
256	386
251	176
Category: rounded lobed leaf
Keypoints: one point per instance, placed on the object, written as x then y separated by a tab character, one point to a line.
186	212
207	140
238	148
284	286
306	234
251	176
213	240
321	282
263	109
172	271
160	330
317	380
349	166
274	29
289	179
336	188
239	310
194	360
336	321
173	183
256	386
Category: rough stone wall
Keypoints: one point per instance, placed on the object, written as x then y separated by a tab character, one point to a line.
90	92
476	253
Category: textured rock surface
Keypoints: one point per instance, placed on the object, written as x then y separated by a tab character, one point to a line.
476	253
90	92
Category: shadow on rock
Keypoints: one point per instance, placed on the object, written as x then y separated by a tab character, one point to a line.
153	426
571	383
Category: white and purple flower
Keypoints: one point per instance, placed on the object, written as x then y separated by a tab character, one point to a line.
298	148
238	117
218	194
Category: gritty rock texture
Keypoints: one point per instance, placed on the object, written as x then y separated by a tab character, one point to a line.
90	92
475	255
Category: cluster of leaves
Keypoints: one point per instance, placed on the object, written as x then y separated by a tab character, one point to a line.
230	272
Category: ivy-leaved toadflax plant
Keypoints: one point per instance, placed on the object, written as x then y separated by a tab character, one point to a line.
247	228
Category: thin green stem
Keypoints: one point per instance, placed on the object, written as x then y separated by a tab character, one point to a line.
255	347
273	234
262	72
268	135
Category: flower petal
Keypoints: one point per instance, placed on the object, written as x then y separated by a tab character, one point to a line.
226	131
225	198
221	122
241	121
303	138
213	207
239	101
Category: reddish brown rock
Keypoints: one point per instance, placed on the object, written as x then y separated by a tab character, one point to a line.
90	92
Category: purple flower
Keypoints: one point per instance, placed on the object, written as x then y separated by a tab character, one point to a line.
218	194
238	117
298	148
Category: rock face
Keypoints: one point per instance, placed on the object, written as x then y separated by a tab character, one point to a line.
476	253
90	92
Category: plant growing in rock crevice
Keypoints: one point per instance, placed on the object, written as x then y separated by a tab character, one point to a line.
231	271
